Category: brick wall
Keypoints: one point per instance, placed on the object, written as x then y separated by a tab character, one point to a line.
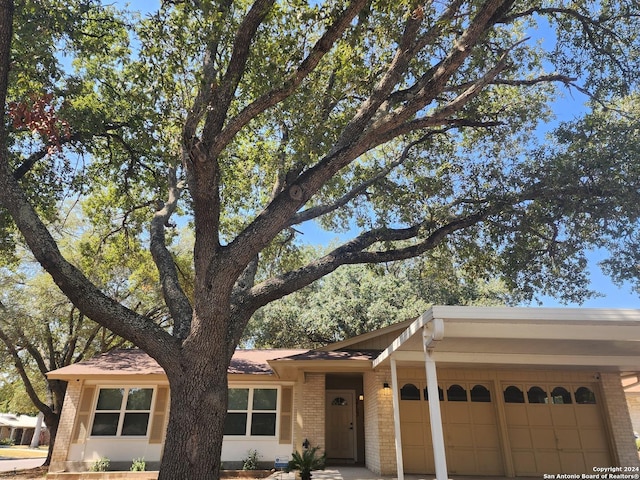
65	428
617	411
309	412
633	401
380	449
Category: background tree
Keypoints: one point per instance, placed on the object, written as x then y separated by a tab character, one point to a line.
408	124
358	299
41	330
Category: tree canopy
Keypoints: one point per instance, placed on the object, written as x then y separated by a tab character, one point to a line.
411	126
359	299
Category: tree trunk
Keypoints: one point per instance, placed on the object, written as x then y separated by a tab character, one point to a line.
52	421
193	442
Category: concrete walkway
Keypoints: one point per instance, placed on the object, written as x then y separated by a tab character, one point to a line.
343	472
11	464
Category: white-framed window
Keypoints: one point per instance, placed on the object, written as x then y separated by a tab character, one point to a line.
122	411
252	411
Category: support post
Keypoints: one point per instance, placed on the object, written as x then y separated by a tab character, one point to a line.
437	434
396	418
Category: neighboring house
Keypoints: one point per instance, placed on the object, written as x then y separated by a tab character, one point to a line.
20	429
508	392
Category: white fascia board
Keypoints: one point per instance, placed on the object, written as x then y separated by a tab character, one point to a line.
414	328
537	314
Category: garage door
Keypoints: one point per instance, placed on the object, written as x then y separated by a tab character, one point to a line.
470	429
555	428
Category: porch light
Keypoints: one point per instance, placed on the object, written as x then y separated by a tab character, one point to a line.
306	444
386	386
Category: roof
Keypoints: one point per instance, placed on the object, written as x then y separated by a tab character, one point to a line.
17	421
607	339
134	361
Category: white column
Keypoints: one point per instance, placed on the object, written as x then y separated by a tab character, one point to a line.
396	418
437	435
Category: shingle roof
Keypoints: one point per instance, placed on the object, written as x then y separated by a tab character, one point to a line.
136	362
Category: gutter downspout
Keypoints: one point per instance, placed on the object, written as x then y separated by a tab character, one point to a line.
433	332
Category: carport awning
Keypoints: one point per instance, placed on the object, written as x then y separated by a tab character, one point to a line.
608	340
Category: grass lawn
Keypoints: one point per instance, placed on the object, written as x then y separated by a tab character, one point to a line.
23	452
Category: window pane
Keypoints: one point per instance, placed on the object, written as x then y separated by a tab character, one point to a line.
513	394
135	424
409	392
584	395
560	395
238	398
263	424
536	395
455	393
139	399
440	394
105	424
480	393
110	399
264	398
235	424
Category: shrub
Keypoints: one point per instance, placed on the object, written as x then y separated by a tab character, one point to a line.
306	461
6	442
138	465
100	465
250	462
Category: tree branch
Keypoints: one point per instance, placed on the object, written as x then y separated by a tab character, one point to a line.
275	96
20	368
224	94
356	252
175	298
320	210
75	285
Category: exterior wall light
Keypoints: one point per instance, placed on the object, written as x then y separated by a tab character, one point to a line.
386	386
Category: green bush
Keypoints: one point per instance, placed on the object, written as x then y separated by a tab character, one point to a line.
6	442
100	465
250	462
138	465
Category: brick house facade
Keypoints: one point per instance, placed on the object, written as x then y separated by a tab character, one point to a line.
520	392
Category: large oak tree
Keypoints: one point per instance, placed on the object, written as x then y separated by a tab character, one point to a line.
408	124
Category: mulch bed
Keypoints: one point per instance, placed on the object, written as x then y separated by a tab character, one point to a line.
39	473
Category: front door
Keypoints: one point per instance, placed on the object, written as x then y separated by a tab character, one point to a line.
340	428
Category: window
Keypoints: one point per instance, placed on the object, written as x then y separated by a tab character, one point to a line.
480	393
560	395
409	392
585	396
537	395
252	411
122	411
456	393
440	394
513	394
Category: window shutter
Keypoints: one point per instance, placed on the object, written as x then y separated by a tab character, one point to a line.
286	415
159	415
81	427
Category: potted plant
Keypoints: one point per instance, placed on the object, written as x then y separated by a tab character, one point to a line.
306	462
